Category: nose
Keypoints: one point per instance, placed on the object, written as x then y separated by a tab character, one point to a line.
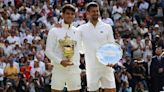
70	14
96	12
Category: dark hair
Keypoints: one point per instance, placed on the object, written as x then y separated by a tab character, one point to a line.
68	7
91	4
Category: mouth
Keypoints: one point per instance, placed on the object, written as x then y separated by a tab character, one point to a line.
95	15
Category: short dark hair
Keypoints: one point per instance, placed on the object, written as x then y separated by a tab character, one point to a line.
91	4
68	7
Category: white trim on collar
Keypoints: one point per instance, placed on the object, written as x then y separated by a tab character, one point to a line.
66	26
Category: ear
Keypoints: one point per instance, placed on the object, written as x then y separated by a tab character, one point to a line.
62	14
87	15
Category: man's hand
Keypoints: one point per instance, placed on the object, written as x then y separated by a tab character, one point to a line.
110	65
66	63
58	25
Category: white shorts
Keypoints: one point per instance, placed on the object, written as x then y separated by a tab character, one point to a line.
103	78
59	79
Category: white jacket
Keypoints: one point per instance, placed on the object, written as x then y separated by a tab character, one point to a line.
54	51
92	38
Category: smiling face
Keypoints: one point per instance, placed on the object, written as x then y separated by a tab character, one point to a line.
68	16
158	51
68	13
93	13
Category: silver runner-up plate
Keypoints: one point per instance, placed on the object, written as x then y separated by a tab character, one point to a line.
109	53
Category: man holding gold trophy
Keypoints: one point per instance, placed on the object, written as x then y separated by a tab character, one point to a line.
101	51
62	48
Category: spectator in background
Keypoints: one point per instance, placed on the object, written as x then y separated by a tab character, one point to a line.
124	78
6	22
143	29
162	5
39	59
80	20
11	72
157	70
15	16
1	52
147	67
139	73
2	68
119	40
15	63
143	7
128	25
137	47
161	27
127	48
7	48
161	40
147	48
156	31
107	19
117	11
106	9
36	68
26	70
135	30
47	77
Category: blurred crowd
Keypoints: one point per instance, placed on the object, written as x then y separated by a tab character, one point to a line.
138	27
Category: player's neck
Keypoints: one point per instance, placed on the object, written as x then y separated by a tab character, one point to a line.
94	22
67	23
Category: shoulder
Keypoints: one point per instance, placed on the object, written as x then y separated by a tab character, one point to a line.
15	68
107	26
153	57
51	30
7	67
74	28
162	57
82	27
54	30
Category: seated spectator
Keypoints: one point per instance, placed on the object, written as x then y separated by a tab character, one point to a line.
117	11
139	73
7	48
157	70
11	72
2	68
36	68
47	77
26	70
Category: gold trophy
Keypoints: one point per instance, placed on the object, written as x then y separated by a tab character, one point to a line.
67	45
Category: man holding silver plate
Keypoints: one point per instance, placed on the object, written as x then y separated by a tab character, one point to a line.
62	48
101	51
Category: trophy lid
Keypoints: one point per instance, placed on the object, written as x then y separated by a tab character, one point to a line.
67	41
